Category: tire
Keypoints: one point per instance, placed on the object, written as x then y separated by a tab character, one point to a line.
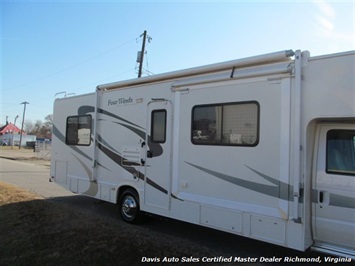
129	207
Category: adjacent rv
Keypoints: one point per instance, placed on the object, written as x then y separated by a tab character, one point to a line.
262	147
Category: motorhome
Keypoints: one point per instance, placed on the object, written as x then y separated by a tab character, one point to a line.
262	147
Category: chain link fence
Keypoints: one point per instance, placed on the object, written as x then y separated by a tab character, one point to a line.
42	150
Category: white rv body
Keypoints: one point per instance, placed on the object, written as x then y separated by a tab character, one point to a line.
242	146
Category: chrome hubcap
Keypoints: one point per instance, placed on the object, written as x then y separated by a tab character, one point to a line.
129	207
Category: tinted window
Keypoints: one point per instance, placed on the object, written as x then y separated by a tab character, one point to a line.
226	124
341	152
158	127
78	130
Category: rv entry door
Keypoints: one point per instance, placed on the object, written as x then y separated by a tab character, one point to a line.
158	159
334	187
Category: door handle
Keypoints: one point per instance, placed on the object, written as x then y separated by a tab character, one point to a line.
324	198
149	154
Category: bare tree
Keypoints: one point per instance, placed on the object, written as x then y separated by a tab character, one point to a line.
39	128
46	129
29	126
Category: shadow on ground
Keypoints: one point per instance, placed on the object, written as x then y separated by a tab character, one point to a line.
81	230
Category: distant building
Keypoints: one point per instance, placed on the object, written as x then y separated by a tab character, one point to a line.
9	139
10	135
9	128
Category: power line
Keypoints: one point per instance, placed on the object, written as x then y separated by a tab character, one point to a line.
40	100
148	72
72	66
147	63
104	79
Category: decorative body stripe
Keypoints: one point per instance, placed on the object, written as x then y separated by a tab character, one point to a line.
281	190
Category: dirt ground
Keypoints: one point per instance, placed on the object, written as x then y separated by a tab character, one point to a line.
23	154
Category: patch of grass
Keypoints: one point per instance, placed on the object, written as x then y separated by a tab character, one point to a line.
10	194
35	231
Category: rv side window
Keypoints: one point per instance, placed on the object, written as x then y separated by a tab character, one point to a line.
78	130
158	126
341	152
226	124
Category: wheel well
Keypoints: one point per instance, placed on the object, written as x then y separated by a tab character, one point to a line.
122	189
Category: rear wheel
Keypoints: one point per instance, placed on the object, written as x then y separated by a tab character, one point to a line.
129	207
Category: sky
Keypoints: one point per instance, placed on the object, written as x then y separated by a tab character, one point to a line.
70	47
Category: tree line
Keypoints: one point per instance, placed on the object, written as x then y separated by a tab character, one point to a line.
42	129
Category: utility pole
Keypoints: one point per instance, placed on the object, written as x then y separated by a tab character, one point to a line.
23	120
12	136
141	55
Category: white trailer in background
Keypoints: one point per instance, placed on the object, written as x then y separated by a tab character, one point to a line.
262	147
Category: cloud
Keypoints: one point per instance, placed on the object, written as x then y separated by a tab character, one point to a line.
331	24
325	17
326	9
326	24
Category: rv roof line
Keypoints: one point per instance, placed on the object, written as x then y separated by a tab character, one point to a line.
280	56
